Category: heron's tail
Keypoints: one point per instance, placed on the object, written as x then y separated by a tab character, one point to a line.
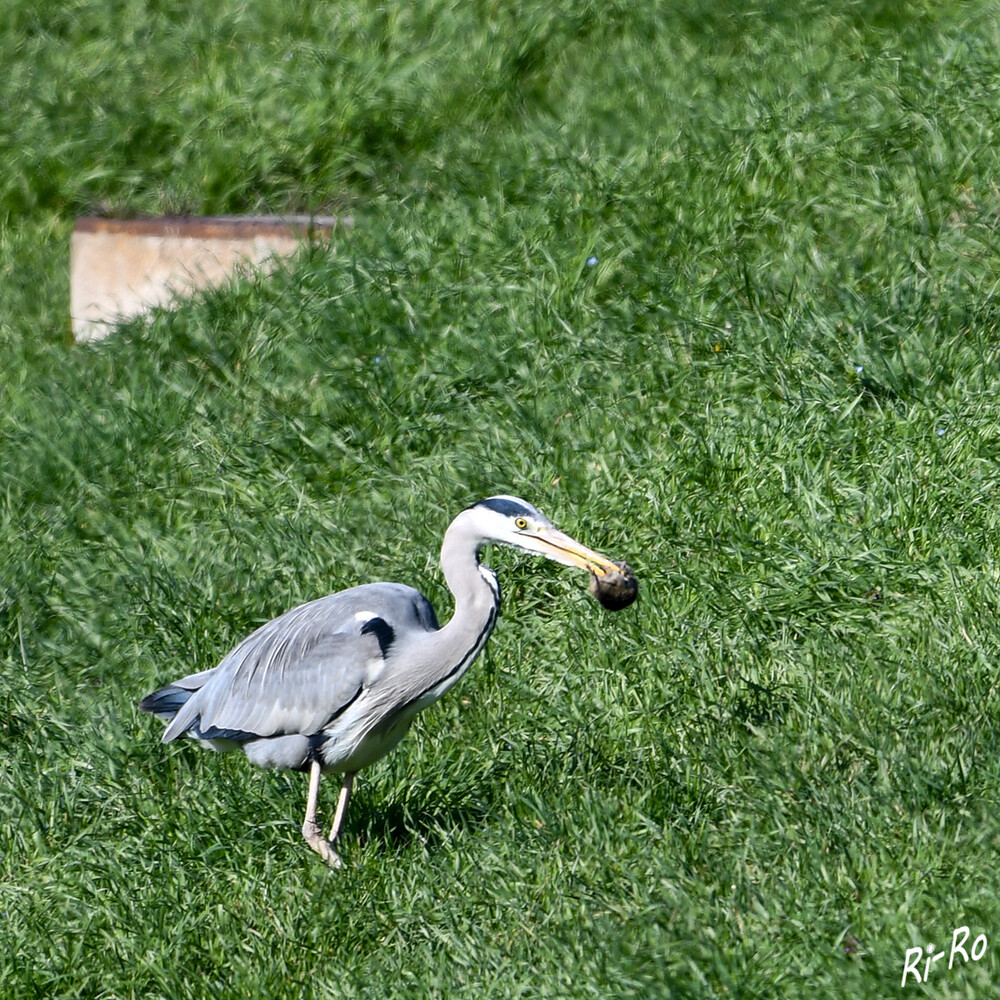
166	702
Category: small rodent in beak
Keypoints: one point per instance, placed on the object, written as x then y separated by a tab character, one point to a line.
615	591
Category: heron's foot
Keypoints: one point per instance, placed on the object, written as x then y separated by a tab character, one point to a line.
315	839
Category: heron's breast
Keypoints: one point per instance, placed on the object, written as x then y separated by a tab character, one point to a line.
360	743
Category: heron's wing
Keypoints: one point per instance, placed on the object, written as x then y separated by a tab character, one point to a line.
300	671
274	691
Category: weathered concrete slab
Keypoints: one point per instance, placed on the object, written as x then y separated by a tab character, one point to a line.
122	267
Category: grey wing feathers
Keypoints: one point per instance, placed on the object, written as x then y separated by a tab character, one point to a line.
298	672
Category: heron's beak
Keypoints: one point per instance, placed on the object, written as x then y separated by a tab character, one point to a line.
559	547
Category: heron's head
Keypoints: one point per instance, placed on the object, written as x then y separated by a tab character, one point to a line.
511	521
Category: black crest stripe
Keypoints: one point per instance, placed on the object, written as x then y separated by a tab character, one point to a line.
509	508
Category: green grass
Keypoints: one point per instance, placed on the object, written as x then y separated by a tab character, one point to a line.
774	394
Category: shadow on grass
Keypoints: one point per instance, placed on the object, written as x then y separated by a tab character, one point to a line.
759	704
431	822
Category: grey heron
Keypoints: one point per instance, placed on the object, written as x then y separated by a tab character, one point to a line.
333	685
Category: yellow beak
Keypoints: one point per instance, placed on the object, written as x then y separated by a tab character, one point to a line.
559	547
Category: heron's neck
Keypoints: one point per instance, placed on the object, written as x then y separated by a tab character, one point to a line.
444	656
474	586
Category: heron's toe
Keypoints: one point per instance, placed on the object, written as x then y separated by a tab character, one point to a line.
315	839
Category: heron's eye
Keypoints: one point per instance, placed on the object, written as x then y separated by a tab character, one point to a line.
521	524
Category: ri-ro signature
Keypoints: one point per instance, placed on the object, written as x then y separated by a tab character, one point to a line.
929	956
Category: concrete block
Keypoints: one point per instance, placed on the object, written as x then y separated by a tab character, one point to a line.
122	267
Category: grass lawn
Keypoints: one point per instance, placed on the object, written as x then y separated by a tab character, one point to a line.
715	287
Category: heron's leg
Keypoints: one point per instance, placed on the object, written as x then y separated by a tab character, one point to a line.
310	829
345	797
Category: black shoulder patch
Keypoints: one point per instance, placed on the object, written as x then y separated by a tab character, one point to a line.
383	632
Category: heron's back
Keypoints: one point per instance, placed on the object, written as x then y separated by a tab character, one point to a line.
295	672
